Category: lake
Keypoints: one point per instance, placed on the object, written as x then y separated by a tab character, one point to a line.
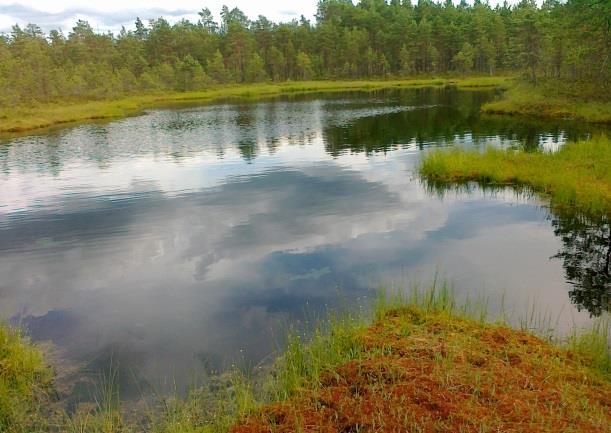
185	240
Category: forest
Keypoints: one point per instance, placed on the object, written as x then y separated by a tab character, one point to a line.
374	39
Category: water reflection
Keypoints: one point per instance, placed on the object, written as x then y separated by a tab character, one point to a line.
586	257
359	122
179	241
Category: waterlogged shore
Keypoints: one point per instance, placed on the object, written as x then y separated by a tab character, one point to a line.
528	100
418	369
22	119
577	177
519	99
420	363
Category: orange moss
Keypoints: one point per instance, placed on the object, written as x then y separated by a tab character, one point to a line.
434	373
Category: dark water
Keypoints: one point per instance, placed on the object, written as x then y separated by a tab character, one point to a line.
184	240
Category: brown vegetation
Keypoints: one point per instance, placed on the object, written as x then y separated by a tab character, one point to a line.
435	373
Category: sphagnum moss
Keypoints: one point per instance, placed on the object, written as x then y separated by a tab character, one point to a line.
429	367
425	363
546	102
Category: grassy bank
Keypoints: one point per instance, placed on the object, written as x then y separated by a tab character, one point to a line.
420	363
575	177
20	119
25	381
427	366
545	101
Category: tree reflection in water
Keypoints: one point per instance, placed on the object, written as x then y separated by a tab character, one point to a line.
586	257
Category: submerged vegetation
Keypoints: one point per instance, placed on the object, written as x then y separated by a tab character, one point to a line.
423	361
575	177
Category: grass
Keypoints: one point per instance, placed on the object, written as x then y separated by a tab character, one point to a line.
26	118
421	362
546	101
577	177
520	98
25	381
427	365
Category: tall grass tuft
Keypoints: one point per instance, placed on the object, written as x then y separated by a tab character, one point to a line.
593	344
25	382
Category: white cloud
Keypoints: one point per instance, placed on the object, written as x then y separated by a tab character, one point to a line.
112	14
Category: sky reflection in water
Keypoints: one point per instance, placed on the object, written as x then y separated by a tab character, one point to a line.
184	239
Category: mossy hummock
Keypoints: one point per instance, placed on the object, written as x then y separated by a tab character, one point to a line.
432	371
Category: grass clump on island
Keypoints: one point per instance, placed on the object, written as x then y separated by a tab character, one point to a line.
25	118
421	363
576	177
554	99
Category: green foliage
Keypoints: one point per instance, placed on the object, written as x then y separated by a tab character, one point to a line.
24	382
465	58
22	118
217	69
304	66
577	176
569	41
406	64
593	345
254	71
554	99
189	75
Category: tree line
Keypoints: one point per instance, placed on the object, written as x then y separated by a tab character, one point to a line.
373	39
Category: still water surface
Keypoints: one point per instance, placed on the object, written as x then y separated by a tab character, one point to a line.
185	239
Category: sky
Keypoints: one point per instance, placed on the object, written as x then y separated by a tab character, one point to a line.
106	15
112	14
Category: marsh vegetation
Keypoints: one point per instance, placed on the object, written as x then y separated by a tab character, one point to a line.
576	177
419	359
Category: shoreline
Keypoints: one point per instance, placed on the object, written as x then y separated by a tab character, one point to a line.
428	367
518	100
45	116
538	102
419	359
313	381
